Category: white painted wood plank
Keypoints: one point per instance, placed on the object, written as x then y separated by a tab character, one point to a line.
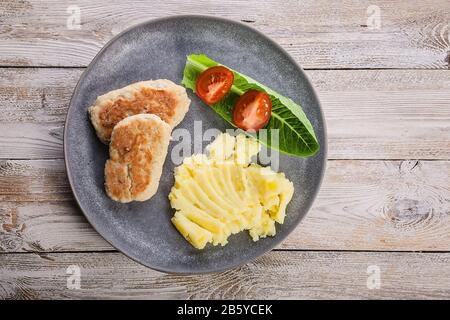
318	34
276	275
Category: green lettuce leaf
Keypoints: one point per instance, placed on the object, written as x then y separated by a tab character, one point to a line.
296	134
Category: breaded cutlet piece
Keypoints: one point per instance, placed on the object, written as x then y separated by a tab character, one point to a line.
164	98
137	152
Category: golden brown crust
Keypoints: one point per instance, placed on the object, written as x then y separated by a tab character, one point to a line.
147	100
160	97
137	152
117	181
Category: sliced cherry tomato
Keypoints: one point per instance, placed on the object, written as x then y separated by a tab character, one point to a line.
252	111
214	83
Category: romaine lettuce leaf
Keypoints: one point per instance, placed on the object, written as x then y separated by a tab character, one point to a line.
296	134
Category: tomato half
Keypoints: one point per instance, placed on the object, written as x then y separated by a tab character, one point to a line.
213	84
252	111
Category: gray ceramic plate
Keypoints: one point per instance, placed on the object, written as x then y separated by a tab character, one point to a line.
158	49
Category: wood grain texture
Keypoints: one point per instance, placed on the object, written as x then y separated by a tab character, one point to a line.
37	180
370	114
318	34
46	227
34	105
306	275
362	205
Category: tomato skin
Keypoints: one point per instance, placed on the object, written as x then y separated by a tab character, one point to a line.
213	84
252	111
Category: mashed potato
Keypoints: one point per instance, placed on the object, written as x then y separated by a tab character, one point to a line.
222	193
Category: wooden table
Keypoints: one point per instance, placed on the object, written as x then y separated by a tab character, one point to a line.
383	212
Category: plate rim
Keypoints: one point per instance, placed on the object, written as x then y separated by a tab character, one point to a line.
278	238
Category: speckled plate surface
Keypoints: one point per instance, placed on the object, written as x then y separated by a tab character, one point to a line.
158	49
